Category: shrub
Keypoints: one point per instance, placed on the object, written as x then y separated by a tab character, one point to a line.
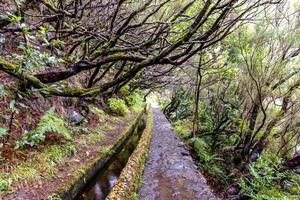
118	106
267	180
183	128
135	100
2	185
124	91
50	122
209	161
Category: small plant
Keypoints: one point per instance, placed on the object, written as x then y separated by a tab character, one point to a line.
54	197
2	185
183	128
267	180
3	131
102	116
134	196
209	162
5	183
124	91
118	106
50	122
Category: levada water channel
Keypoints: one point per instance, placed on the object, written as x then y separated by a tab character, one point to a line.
103	182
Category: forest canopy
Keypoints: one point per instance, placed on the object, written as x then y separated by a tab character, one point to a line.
47	42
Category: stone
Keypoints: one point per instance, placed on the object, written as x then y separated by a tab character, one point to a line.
75	118
233	190
254	157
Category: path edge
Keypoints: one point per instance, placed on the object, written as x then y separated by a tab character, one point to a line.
130	178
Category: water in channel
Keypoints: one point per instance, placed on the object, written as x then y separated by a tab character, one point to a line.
102	184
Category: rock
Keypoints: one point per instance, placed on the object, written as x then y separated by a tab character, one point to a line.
2	39
240	197
293	163
181	144
75	118
254	157
185	153
233	190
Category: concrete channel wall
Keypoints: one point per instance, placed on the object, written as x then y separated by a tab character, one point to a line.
130	178
73	188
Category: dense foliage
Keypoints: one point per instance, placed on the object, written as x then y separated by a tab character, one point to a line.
242	98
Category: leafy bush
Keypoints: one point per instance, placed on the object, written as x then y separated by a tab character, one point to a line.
267	180
2	185
124	91
183	128
50	122
118	106
207	159
135	100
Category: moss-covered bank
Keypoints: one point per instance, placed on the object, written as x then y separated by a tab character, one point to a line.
130	178
71	189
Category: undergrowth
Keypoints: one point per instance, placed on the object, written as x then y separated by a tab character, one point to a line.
135	101
49	123
40	165
268	180
183	128
118	106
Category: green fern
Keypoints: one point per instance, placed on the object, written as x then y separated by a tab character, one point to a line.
50	122
183	128
265	180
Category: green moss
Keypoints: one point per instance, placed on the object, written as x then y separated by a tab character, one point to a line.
105	150
134	196
5	183
40	165
124	90
55	153
94	136
107	127
54	197
24	172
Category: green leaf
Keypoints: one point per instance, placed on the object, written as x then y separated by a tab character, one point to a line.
2	90
3	131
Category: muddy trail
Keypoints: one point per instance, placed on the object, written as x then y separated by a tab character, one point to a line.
170	172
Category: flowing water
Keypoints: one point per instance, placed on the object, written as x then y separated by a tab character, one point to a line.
104	181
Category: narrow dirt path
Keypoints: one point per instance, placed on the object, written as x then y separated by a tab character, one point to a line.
170	173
